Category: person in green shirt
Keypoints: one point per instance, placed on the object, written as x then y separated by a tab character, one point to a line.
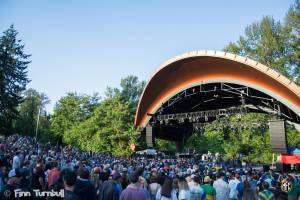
208	189
293	192
265	194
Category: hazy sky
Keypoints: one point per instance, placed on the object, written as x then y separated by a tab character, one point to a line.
85	46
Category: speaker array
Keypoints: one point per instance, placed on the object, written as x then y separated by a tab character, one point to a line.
278	136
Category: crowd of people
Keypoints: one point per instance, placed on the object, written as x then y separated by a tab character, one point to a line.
27	167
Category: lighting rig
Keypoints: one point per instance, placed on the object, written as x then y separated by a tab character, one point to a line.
250	101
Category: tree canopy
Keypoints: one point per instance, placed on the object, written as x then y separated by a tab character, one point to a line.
13	77
33	105
100	126
273	43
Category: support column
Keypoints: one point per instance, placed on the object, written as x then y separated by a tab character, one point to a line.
179	146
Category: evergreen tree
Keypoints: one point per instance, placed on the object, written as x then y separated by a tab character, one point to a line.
292	27
13	77
273	43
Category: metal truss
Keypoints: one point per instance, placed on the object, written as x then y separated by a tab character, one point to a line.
224	87
196	116
249	100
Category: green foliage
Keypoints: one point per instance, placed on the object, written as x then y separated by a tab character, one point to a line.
293	137
105	126
29	110
263	42
72	110
108	130
33	105
210	140
130	91
165	145
239	134
13	77
292	27
45	133
269	42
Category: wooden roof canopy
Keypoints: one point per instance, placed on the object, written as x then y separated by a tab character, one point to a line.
201	68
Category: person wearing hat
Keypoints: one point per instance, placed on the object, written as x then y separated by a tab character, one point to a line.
209	190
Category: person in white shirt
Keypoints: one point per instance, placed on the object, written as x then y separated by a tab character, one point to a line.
184	192
16	161
221	187
233	195
166	191
196	191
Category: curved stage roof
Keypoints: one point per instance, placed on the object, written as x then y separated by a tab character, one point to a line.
205	67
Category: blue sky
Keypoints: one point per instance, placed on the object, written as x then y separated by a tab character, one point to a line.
85	46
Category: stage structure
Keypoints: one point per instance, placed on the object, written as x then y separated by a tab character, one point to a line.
200	86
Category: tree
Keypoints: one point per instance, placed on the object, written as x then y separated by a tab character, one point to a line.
273	43
165	145
268	43
131	89
292	27
109	127
33	105
293	136
72	110
13	77
130	92
246	135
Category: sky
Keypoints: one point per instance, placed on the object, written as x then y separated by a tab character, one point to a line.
84	46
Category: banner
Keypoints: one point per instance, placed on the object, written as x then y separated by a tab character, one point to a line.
290	158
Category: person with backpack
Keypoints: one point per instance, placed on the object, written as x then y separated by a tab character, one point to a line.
265	194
